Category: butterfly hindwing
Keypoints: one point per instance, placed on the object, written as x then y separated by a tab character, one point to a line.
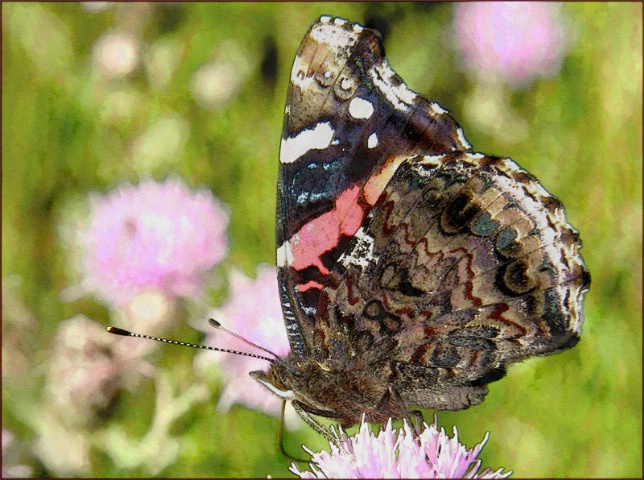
464	265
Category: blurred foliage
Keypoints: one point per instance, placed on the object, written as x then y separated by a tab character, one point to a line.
67	130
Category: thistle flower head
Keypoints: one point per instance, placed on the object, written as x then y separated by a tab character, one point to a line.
404	453
512	41
152	237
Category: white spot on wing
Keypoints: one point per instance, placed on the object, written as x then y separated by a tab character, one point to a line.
333	35
346	83
317	138
372	141
432	161
361	253
306	197
360	108
309	310
461	138
298	74
284	255
398	95
437	109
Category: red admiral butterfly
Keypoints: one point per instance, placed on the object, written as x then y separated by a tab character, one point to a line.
412	271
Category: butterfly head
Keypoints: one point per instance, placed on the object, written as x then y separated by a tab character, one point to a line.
271	379
311	385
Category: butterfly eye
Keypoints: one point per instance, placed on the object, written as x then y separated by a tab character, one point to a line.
276	380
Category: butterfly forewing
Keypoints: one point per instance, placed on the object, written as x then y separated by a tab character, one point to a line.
349	122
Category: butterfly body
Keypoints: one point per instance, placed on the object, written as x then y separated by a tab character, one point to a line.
377	388
412	271
343	393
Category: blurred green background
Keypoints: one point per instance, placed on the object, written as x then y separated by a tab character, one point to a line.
68	130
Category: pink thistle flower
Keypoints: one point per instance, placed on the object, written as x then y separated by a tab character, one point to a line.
152	237
426	453
512	41
254	312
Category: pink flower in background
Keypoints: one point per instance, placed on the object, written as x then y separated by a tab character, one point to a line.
11	468
513	41
152	237
85	373
404	453
253	311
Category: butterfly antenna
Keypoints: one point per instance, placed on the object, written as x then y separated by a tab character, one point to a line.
127	333
214	323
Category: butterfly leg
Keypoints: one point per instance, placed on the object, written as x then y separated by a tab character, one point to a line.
415	418
308	419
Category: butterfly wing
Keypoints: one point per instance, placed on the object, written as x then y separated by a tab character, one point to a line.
464	265
349	122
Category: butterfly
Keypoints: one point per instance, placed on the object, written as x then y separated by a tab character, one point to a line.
412	271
